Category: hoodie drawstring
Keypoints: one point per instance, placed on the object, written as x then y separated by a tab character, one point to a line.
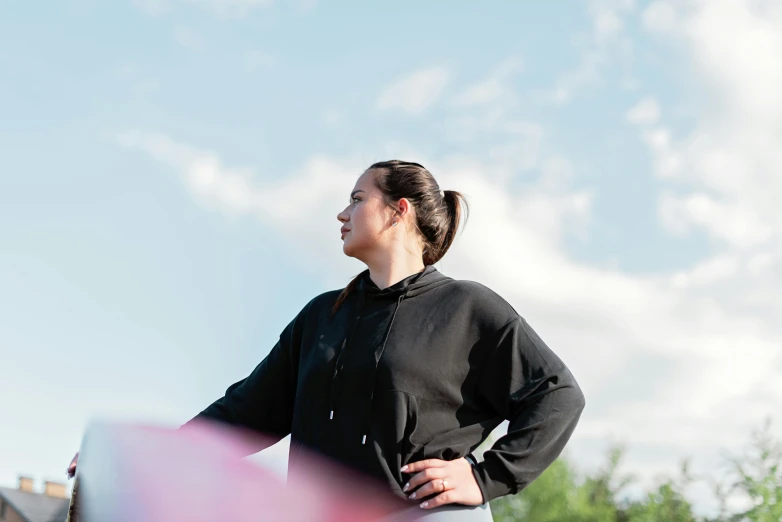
345	344
377	363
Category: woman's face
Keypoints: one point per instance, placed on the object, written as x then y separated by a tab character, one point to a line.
365	220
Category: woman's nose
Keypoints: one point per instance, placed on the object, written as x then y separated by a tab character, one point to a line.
343	217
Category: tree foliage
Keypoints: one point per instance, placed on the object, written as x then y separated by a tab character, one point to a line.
752	479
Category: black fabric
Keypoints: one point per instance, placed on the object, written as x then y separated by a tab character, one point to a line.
426	368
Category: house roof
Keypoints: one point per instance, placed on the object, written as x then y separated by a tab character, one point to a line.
36	507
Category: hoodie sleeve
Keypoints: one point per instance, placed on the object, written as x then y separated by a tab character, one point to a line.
263	401
528	385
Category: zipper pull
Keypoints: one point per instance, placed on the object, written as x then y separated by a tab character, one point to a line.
364	440
331	416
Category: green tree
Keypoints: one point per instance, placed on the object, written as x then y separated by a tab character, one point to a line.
557	495
666	503
758	475
560	495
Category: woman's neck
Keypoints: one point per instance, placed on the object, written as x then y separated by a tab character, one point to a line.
390	271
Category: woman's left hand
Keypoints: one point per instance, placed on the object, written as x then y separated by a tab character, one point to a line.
453	480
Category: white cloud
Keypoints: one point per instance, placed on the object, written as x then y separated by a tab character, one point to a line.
489	107
153	7
491	89
416	92
645	112
727	184
606	43
522	152
187	38
668	162
230	8
331	117
729	164
660	16
607	24
709	271
630	83
322	187
306	6
257	59
760	263
221	8
732	222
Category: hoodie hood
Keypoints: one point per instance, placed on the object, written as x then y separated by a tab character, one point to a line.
410	286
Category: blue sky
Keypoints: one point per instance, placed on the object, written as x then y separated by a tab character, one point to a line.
170	173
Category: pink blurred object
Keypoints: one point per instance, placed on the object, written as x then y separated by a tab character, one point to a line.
141	473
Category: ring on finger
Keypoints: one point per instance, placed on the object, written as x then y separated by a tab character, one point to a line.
445	484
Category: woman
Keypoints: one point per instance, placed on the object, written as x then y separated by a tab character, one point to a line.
405	372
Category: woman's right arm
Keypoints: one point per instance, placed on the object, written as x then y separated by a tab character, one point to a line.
263	401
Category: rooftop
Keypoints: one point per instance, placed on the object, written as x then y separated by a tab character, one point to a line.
36	507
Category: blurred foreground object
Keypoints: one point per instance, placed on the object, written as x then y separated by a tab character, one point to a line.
131	473
73	508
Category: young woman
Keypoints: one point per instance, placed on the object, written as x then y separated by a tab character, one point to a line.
403	373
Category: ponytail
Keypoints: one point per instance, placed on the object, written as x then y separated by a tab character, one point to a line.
455	205
345	293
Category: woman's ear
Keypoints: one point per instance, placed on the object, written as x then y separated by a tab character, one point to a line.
402	208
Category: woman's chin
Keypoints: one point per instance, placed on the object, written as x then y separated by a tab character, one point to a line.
351	251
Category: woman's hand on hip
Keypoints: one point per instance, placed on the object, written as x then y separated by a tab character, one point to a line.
452	481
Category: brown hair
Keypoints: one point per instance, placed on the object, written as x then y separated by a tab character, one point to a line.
438	213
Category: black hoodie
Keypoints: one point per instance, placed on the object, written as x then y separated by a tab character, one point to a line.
426	368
